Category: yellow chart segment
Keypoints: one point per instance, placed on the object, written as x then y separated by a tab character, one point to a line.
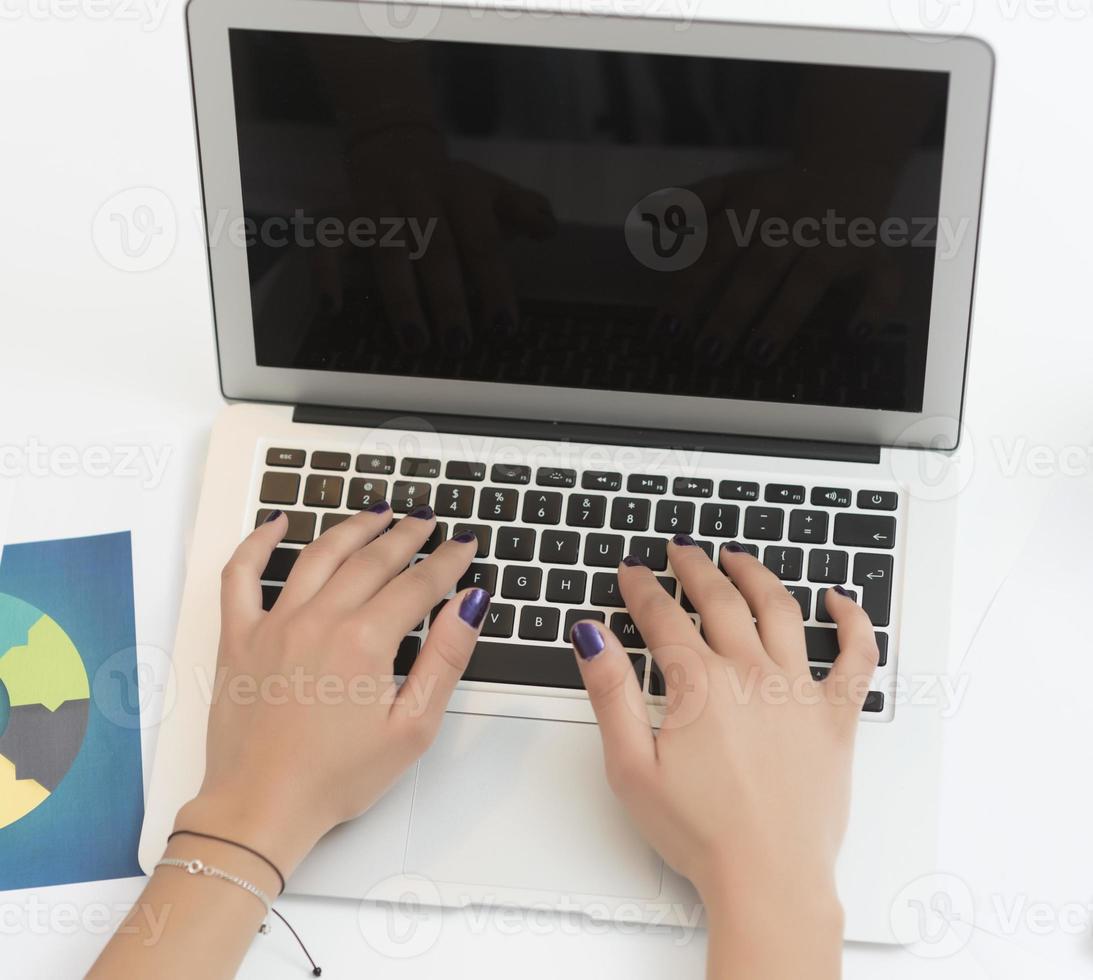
47	670
17	796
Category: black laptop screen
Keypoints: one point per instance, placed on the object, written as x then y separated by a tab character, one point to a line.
646	223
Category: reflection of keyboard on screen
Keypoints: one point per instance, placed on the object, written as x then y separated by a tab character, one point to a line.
550	541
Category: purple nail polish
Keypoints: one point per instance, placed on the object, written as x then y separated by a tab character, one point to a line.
272	516
734	548
633	561
843	592
466	537
423	513
684	541
587	639
472	610
379	507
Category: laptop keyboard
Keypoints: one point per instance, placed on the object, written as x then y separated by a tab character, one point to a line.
550	541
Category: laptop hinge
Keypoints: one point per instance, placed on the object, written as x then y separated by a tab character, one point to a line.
612	435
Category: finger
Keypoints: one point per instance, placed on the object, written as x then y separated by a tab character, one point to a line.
366	570
424	696
669	633
240	588
850	677
324	556
629	749
408	598
726	618
777	614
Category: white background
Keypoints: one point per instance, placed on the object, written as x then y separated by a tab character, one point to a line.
96	101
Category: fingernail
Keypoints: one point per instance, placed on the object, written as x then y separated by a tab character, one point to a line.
633	561
423	513
272	516
734	548
379	507
684	540
843	592
587	639
466	537
472	610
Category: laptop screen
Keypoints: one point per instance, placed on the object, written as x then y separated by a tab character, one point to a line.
627	222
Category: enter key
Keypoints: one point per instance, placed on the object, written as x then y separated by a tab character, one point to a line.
874	574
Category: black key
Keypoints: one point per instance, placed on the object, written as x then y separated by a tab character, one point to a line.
270	594
865	531
874	574
500	620
364	492
787	563
551	476
408	496
521	582
280	564
542	507
675	517
279	488
421	468
480	531
332	520
819	673
323	491
586	510
803	595
627	631
827	566
559	547
656	681
456	470
285	457
515	544
628	514
564	585
301	525
601	480
508	473
878	500
497	504
603	550
643	483
735	490
375	464
454	501
407	653
479	576
685	602
605	590
339	462
882	648
574	616
706	546
685	486
822	646
808	526
751	549
518	663
668	584
830	497
539	623
821	605
874	702
436	539
784	493
763	523
719	520
652	551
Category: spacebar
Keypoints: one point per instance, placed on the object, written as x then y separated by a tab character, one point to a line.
523	663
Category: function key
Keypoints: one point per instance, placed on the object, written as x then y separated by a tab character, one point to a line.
421	468
599	480
279	488
785	493
465	471
339	462
509	473
375	464
551	476
285	457
830	497
686	486
877	499
643	483
735	490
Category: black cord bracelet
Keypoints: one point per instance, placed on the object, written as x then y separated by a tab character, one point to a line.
235	843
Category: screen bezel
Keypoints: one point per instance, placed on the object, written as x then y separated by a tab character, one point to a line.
968	62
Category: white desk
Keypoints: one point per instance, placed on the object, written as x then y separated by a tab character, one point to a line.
93	356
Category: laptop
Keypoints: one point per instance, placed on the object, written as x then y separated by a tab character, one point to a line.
581	283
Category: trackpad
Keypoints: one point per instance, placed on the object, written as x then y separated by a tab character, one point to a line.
522	803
